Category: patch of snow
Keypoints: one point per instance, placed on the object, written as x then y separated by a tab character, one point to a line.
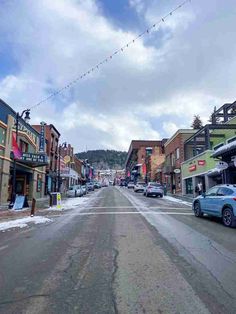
23	222
225	148
70	203
176	200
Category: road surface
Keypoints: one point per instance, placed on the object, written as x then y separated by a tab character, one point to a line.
120	253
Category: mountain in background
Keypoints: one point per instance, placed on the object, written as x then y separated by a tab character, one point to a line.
104	159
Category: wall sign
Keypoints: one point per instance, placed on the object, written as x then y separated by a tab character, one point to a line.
192	168
31	157
201	162
42	138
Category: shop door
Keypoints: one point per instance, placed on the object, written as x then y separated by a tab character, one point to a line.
20	185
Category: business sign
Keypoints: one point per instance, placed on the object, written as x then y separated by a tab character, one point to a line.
20	202
31	157
67	159
177	170
42	138
201	162
222	165
192	168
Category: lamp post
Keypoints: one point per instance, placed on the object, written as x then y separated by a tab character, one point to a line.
63	145
26	118
148	154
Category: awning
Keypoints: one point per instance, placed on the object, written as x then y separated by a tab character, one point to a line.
225	149
33	160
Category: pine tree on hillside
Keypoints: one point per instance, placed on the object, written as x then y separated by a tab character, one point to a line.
197	122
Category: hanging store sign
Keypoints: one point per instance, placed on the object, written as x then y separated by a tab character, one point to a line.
177	170
42	138
222	165
67	159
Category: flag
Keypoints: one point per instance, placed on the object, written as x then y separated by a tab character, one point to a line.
15	148
144	169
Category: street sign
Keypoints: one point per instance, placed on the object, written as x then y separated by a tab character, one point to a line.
222	165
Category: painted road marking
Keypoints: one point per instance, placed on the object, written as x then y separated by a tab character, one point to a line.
126	213
3	247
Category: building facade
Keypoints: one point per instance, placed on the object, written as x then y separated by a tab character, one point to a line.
174	156
203	152
144	159
30	167
52	137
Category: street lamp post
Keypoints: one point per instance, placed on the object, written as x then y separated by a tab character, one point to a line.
26	118
63	145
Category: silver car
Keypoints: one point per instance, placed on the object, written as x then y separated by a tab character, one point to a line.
74	191
154	189
139	187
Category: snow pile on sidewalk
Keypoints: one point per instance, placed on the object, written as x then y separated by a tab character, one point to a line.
71	203
23	222
176	200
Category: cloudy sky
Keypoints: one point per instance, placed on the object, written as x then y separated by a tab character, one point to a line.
186	66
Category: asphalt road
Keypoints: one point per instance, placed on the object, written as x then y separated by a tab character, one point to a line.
120	253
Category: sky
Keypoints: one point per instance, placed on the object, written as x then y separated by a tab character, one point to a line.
185	66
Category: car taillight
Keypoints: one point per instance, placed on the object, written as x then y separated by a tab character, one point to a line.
234	198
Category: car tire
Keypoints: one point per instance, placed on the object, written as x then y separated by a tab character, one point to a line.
161	195
147	195
197	210
228	217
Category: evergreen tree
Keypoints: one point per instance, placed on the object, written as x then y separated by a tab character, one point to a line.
197	122
212	119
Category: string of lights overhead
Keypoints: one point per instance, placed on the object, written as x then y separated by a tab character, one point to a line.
110	57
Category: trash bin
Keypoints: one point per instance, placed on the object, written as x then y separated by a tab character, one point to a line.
55	199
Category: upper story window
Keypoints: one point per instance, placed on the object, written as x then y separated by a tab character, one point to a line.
177	153
231	140
24	147
218	146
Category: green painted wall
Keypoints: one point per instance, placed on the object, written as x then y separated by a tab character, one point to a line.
210	163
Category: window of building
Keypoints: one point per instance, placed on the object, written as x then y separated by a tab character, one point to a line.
177	153
24	147
231	140
218	146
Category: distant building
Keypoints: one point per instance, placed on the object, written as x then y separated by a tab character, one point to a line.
144	159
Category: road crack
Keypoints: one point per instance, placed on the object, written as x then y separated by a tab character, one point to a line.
113	277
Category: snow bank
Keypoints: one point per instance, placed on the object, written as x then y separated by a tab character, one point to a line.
23	222
71	203
176	200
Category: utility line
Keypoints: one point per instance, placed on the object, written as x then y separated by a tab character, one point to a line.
107	59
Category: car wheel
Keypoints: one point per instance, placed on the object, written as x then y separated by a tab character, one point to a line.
147	195
197	209
228	217
161	195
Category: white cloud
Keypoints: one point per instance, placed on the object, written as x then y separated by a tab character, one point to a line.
158	84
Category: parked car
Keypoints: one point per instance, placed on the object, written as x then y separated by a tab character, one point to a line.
90	186
139	187
219	201
97	185
74	191
84	189
130	185
154	189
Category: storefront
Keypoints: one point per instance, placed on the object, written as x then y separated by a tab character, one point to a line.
199	169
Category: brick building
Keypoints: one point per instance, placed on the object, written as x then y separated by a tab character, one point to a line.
52	137
144	159
174	156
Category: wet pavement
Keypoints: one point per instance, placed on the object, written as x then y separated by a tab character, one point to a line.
120	253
